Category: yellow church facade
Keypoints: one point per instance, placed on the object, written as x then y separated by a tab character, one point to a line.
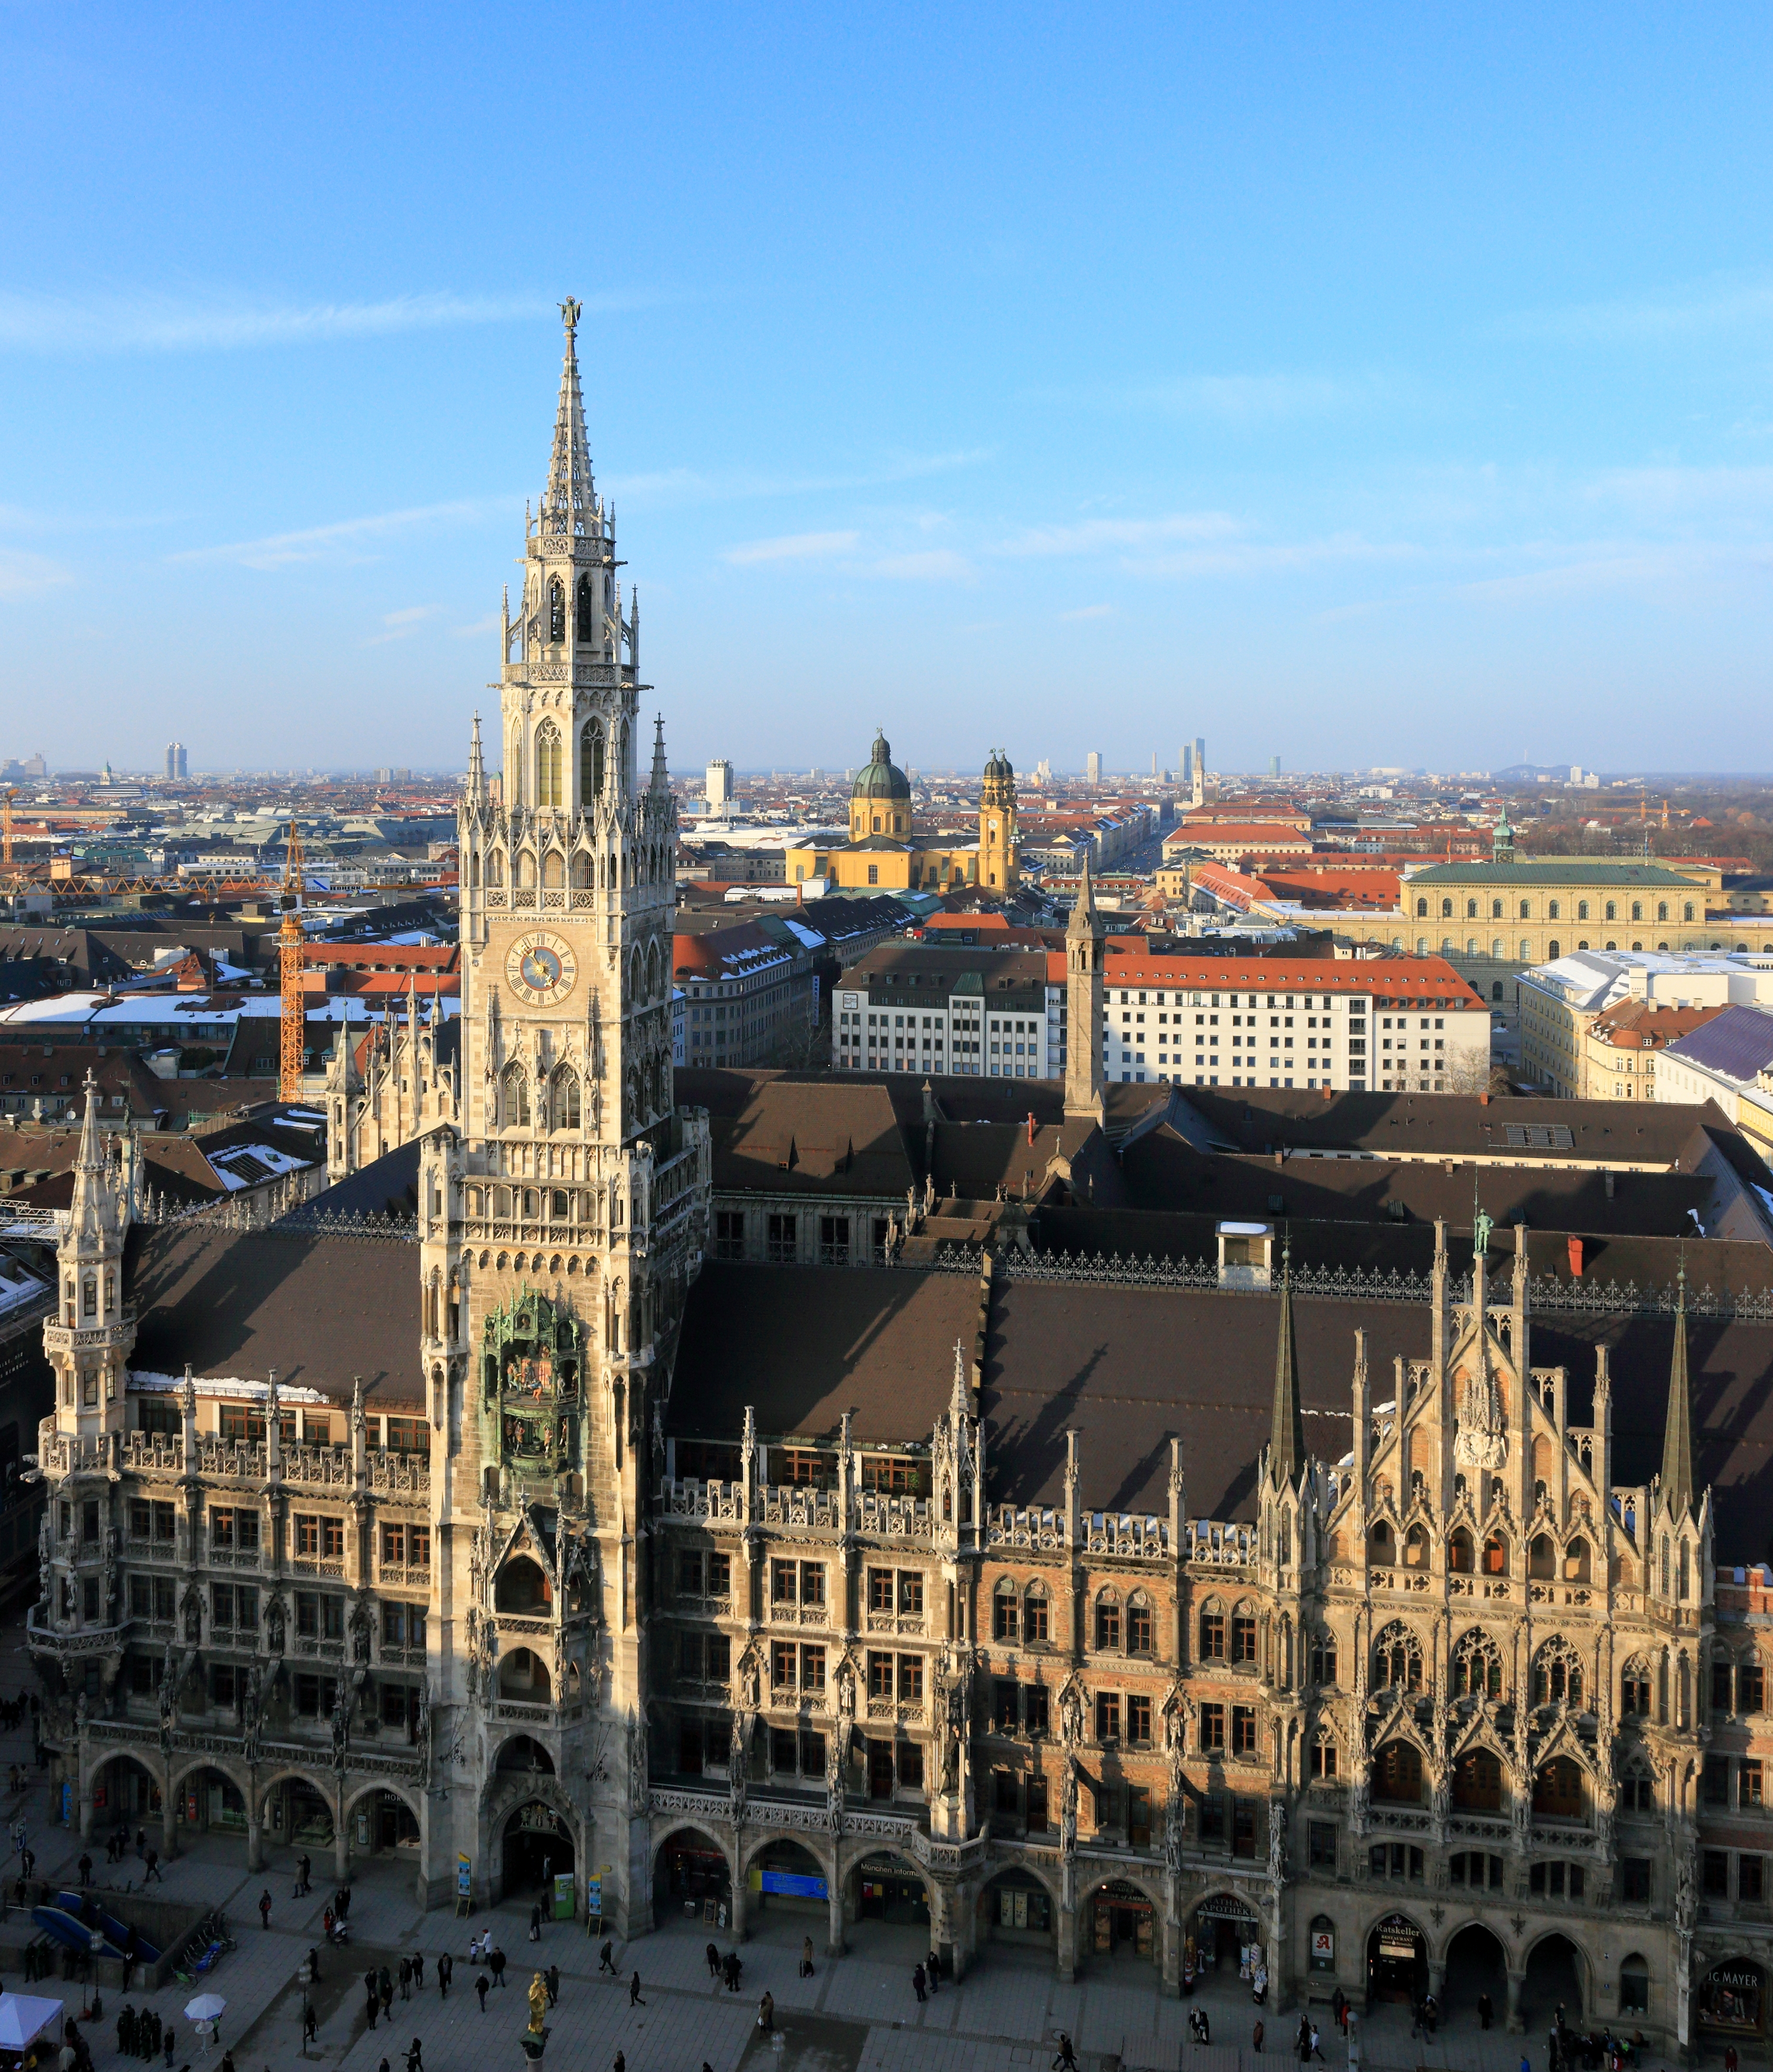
885	851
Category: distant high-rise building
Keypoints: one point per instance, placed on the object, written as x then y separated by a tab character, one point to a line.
1092	768
1043	771
1188	772
1274	766
720	786
1154	763
176	764
1200	755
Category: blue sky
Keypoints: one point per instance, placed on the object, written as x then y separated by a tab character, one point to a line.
1372	384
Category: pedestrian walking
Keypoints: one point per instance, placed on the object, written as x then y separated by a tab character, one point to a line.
170	2033
932	1972
1065	2058
342	1901
372	2006
621	2063
1485	2011
302	1866
446	1971
1551	2051
713	1963
1206	2026
917	1984
1526	2063
806	1957
551	1980
1255	2037
415	2057
265	1908
1316	2046
406	1978
1729	2058
85	1867
495	1964
151	1875
765	2014
310	2024
535	1922
418	1970
480	1986
607	1963
634	1991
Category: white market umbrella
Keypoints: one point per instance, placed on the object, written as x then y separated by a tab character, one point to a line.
206	2007
23	2018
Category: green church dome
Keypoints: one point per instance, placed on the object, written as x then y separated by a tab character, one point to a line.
882	778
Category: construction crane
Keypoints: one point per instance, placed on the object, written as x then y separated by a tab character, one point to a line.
290	944
6	828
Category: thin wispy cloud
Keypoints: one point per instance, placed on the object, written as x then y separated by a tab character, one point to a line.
1094	535
403	624
1257	557
669	488
151	322
24	575
933	564
1087	611
1701	310
792	547
481	627
350	538
1242	396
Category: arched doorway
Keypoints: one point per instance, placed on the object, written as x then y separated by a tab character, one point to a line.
786	1877
297	1812
1121	1922
523	1589
1396	1960
691	1880
887	1887
1222	1932
1476	1964
208	1802
382	1821
538	1848
123	1791
1015	1907
1554	1980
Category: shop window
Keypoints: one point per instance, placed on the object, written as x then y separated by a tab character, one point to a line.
1243	1827
1634	1986
1321	1847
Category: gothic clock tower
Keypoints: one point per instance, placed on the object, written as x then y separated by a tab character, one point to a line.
562	1222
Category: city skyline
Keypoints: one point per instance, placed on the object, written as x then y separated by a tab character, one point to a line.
1372	387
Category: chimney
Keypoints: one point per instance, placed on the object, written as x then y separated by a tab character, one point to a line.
1576	1258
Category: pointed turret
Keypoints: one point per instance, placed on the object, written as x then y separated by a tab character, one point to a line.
567	505
477	768
1286	1437
1084	955
661	777
1677	1436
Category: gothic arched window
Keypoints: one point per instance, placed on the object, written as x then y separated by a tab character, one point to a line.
1004	1605
1107	1620
515	1087
1557	1675
1635	1689
1397	1774
566	1099
1397	1659
582	610
1477	1668
556	609
590	762
547	767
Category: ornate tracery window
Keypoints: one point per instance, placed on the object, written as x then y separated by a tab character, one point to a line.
1477	1668
1558	1674
1397	1659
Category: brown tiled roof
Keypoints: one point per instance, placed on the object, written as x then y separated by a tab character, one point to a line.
234	1304
1639	1025
801	1345
812	1137
1126	1368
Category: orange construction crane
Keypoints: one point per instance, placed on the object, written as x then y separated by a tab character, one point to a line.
5	828
290	944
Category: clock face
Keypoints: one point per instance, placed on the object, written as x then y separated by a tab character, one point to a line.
540	969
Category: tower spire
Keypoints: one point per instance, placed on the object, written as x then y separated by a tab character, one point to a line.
567	505
1085	955
1677	1437
1287	1439
477	768
661	777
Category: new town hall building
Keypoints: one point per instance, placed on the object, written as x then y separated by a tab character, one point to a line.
1389	1631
